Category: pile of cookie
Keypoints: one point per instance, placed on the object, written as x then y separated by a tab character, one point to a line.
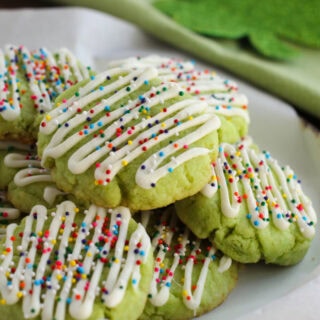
134	193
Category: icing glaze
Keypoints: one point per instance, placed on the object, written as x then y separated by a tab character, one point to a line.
220	94
270	192
173	242
78	251
115	142
47	75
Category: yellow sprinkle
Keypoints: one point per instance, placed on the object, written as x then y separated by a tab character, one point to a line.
124	162
4	253
213	178
126	248
58	277
148	117
89	254
58	104
40	234
19	294
116	261
284	196
84	276
61	231
53	241
238	153
182	280
63	218
3	301
48	117
185	293
76	210
163	125
190	118
96	182
161	265
144	111
70	240
129	142
73	280
8	274
73	263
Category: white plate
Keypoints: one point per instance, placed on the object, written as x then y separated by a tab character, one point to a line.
263	292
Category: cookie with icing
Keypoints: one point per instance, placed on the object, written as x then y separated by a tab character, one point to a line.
190	275
253	209
8	214
70	264
31	183
222	95
6	147
29	83
123	138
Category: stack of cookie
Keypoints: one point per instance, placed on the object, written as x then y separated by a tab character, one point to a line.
143	194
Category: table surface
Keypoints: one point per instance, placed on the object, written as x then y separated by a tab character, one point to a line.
4	4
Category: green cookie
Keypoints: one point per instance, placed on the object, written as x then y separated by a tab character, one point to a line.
8	214
69	263
124	138
29	82
7	172
221	94
253	209
190	276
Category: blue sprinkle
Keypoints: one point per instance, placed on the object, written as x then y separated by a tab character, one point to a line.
146	82
68	300
168	284
101	88
170	170
142	253
134	281
100	123
249	216
107	108
161	153
279	215
256	223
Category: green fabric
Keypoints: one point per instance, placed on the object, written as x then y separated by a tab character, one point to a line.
266	24
296	80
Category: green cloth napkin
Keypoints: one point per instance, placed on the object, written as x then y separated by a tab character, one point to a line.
296	81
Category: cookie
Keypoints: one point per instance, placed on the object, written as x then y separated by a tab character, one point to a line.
7	172
191	277
253	209
29	83
123	138
222	95
31	183
8	214
69	263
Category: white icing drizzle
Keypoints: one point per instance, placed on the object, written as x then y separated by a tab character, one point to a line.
78	267
46	77
9	97
126	146
269	191
217	92
171	242
50	194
